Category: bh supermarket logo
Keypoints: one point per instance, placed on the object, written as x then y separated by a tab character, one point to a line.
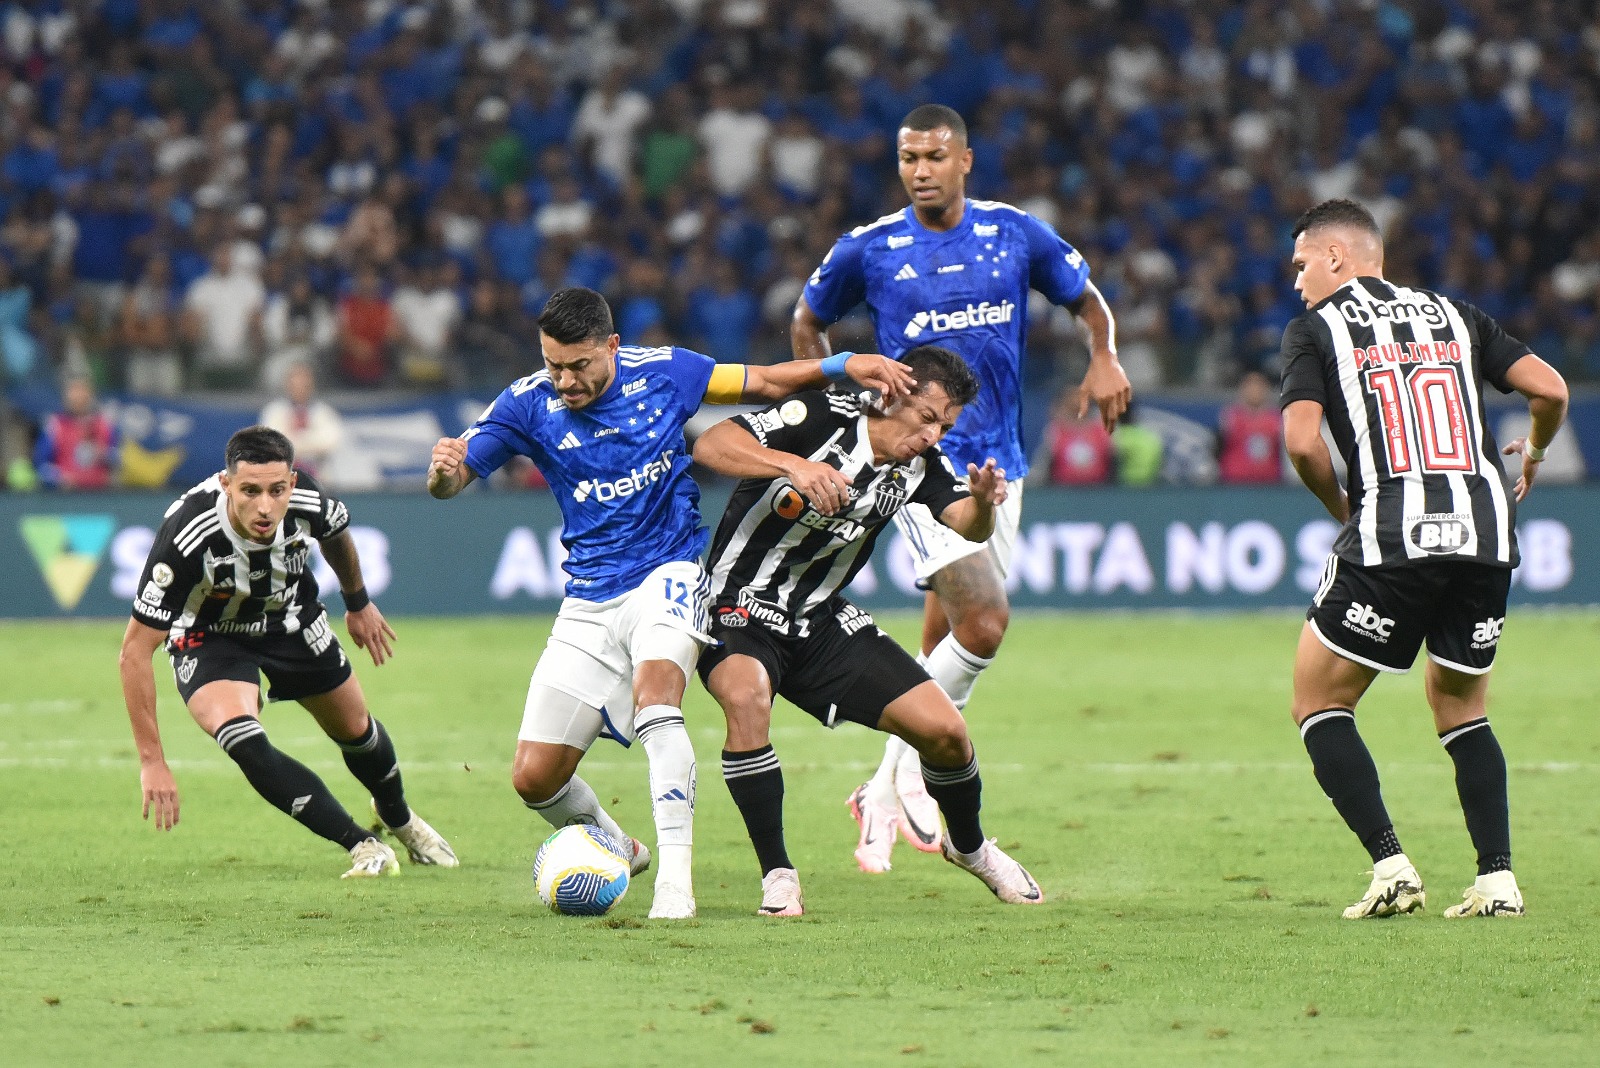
67	550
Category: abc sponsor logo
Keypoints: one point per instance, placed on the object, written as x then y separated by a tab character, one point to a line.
1365	620
1486	635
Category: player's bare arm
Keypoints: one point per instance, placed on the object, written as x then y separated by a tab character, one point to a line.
367	627
889	377
1546	391
448	473
808	334
1302	436
1105	383
973	517
156	785
729	449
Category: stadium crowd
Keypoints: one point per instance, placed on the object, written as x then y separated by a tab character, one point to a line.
204	196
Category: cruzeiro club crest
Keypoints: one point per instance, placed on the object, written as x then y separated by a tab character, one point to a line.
67	549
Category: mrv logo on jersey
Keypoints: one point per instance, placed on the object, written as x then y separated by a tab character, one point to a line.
1442	533
972	315
626	486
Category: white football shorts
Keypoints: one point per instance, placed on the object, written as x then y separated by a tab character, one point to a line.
594	647
935	546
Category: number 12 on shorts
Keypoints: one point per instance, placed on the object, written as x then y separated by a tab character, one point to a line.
677	591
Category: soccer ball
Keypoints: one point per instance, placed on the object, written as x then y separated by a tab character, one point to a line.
579	871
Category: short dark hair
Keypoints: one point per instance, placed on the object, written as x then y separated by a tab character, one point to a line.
935	363
576	314
931	117
258	445
1337	212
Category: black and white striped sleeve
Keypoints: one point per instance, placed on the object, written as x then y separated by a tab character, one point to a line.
326	514
797	425
172	571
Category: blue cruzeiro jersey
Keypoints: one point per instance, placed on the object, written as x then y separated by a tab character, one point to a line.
965	289
619	468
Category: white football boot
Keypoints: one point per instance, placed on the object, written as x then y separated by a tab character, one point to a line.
672	902
370	858
1008	880
1495	894
637	854
879	827
918	811
1396	889
423	844
780	894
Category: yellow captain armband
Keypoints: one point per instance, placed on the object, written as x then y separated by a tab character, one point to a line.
727	383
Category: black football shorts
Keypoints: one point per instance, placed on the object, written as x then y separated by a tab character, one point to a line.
1382	617
304	664
845	668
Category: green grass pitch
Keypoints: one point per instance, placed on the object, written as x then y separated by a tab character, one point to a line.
1143	767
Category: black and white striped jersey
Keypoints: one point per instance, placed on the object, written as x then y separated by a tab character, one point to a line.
1400	373
776	560
202	575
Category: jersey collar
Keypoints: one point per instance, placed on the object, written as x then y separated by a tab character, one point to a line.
964	224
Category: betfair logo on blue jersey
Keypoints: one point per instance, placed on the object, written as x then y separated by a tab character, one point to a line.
633	482
972	315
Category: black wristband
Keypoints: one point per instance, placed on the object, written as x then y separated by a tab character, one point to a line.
355	600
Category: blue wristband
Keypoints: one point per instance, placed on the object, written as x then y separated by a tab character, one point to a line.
833	367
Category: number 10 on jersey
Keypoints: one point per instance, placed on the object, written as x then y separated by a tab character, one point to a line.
1425	407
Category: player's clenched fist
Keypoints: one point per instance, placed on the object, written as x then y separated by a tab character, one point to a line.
988	483
446	473
825	487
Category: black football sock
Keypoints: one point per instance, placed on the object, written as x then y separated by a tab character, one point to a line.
287	784
755	779
1348	776
959	792
371	760
1481	785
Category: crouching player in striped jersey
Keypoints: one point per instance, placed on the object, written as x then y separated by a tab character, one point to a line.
228	587
604	423
1428	539
794	534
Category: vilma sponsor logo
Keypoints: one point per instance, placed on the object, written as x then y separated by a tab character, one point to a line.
1366	619
973	315
633	482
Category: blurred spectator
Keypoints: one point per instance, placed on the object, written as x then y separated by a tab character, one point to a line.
366	330
78	447
298	329
1074	451
1138	451
724	316
426	312
148	331
607	124
222	319
1250	435
490	353
734	134
312	426
19	351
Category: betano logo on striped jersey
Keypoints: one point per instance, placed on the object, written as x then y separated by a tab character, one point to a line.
941	322
626	486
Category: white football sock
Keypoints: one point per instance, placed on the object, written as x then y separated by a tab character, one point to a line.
955	669
880	788
576	803
672	784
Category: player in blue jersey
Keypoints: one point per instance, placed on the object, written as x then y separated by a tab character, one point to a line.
605	424
955	272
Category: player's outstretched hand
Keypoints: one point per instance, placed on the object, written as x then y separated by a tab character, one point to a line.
1530	466
370	631
160	792
825	487
890	377
988	482
1108	387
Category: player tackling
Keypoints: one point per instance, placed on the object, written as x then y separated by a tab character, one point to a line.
956	272
782	553
604	423
228	588
1428	540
